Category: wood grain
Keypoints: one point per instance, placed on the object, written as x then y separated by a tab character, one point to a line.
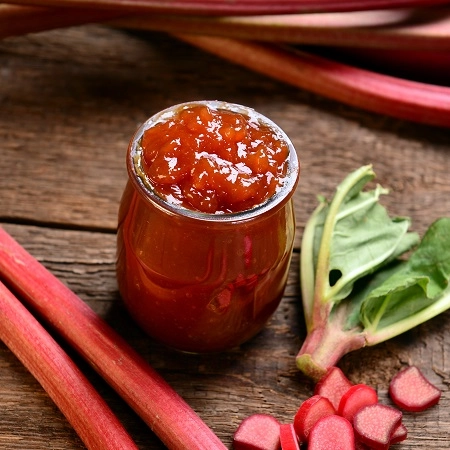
70	101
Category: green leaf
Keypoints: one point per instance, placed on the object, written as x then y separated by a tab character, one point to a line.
365	240
412	286
353	236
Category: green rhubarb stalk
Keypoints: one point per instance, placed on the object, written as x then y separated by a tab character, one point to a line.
356	289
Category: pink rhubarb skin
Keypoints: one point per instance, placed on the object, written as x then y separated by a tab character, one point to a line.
418	102
164	411
83	407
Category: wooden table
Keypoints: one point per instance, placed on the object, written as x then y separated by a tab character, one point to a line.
70	100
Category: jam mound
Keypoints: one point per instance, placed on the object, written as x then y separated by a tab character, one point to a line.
214	161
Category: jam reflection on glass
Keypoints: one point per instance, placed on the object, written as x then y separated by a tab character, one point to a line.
206	225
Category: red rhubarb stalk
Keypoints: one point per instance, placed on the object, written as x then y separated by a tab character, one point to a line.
385	29
418	102
380	29
211	7
83	407
430	66
164	411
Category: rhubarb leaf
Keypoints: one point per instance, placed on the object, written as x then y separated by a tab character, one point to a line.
352	236
356	290
413	285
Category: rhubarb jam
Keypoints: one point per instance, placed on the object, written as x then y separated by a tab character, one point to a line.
214	161
206	225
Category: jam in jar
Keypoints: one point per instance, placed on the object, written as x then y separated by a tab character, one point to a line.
206	224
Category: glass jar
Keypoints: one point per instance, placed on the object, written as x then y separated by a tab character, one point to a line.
201	282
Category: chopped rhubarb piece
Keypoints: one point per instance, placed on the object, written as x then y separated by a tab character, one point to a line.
309	412
411	390
288	437
332	432
258	432
355	398
374	425
399	434
333	385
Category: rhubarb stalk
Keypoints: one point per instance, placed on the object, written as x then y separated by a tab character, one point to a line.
385	29
214	7
164	411
419	102
379	29
83	407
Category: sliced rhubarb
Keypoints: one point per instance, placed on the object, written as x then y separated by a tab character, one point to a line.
165	412
333	385
399	434
412	391
309	412
83	407
374	425
332	432
257	432
288	437
355	398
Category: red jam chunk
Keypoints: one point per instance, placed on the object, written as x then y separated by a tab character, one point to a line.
214	161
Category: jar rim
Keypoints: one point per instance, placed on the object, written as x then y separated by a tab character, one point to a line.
140	179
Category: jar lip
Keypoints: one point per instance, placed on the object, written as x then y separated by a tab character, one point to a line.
138	176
